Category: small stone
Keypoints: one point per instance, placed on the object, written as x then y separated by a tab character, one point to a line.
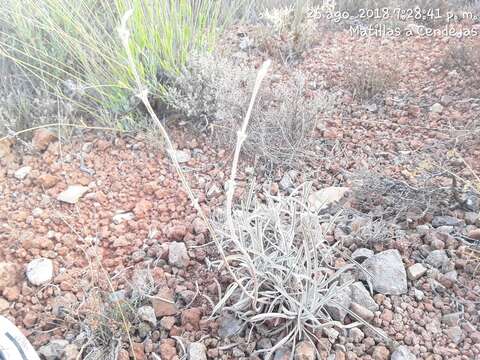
192	317
362	254
164	303
402	353
177	232
322	199
380	353
71	352
471	217
439	221
138	350
229	325
22	173
331	334
42	138
53	350
305	351
338	304
284	353
438	259
419	295
197	351
178	255
388	273
452	319
199	226
167	322
362	312
117	296
436	108
147	314
8	275
182	156
416	271
47	181
72	194
168	350
356	335
455	334
286	183
40	271
123	216
361	296
4	306
474	234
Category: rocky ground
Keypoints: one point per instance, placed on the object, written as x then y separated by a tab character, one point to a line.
95	222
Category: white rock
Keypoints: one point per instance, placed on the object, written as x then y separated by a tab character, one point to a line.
416	271
402	353
147	314
324	198
361	296
40	271
436	108
182	156
72	194
123	216
177	255
22	173
388	273
438	259
197	351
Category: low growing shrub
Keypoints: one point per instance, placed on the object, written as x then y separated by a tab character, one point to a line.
286	268
214	92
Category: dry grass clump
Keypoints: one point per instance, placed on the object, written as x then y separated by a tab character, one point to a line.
464	57
368	77
214	93
287	31
392	198
285	265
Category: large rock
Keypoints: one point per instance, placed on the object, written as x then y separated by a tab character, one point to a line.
387	272
72	194
40	271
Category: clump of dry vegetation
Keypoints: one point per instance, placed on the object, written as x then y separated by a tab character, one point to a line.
369	77
392	198
214	93
286	267
464	57
286	31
